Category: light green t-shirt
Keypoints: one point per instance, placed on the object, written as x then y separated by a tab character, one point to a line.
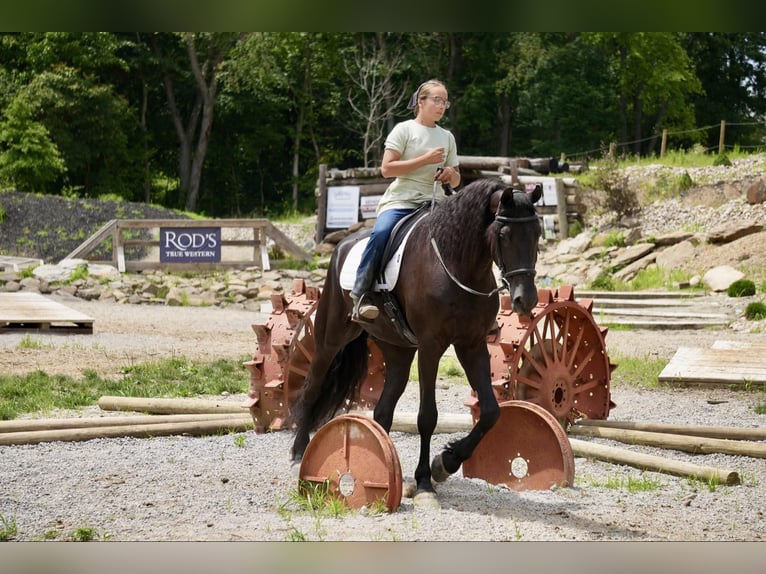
412	139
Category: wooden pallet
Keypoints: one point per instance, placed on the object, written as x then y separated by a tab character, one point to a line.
725	363
33	312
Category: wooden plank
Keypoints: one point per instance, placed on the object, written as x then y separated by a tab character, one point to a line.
31	311
694	365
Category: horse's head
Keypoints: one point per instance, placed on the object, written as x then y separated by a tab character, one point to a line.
517	233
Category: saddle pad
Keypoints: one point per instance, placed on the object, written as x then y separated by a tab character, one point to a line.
354	257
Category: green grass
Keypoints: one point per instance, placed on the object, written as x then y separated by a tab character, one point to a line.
8	528
630	483
175	377
649	278
637	371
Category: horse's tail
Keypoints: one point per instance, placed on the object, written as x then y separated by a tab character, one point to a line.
320	401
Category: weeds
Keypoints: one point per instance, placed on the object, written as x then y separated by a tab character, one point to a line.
175	377
638	371
630	483
8	528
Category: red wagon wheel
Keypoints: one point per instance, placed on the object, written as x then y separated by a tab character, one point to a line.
562	362
526	449
356	460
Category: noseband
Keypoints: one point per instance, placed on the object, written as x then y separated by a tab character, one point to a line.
505	275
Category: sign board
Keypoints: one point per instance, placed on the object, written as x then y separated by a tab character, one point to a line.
342	206
190	244
549	189
368	205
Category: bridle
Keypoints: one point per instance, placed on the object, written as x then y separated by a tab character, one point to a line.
497	257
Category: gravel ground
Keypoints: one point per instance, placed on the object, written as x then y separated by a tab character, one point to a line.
184	488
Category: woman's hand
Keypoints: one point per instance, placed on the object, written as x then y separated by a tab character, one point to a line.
448	175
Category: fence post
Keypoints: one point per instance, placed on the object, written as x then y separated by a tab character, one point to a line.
721	138
664	144
561	208
321	203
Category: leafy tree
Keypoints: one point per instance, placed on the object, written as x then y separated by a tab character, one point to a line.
29	161
190	65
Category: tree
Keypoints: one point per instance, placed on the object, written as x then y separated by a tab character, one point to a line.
29	161
192	117
655	82
370	67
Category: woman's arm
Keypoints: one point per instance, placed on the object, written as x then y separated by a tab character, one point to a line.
394	166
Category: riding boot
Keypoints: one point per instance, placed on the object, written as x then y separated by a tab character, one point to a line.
362	311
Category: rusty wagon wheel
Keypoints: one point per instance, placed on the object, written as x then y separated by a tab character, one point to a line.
354	459
286	347
556	358
526	449
562	361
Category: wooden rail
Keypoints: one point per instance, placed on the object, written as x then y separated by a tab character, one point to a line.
119	231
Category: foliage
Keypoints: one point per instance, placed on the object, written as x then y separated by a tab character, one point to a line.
755	311
620	198
741	288
177	377
236	124
722	159
8	528
637	371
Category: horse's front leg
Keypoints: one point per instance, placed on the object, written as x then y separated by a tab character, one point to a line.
428	364
475	362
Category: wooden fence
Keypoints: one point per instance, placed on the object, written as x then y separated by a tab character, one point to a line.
135	244
561	206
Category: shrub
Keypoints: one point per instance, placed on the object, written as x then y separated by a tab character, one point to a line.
741	288
722	159
755	311
604	282
685	181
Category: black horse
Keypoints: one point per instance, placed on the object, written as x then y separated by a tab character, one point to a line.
447	294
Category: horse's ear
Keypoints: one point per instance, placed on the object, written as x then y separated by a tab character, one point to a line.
536	193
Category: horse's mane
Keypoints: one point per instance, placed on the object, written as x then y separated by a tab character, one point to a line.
460	222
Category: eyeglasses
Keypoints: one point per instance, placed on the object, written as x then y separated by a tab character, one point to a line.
437	100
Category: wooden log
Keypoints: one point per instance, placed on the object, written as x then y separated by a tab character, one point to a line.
24	425
194	428
732	433
168	406
451	423
446	423
693	444
663	464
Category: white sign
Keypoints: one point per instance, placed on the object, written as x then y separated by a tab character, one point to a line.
549	189
342	206
369	205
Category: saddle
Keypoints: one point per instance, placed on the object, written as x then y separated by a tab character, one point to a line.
389	269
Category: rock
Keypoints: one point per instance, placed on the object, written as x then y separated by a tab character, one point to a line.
103	272
756	192
671	257
630	271
672	238
630	254
729	233
719	278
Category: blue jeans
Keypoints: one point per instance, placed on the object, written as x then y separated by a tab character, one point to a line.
369	266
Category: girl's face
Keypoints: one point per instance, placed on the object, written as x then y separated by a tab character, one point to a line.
434	104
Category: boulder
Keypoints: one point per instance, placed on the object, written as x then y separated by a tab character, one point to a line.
756	192
671	257
719	278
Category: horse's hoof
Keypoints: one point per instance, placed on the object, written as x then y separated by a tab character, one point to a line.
438	472
426	499
408	488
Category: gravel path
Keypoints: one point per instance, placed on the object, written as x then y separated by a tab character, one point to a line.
238	487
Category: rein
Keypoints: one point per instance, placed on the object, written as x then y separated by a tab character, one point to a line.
506	275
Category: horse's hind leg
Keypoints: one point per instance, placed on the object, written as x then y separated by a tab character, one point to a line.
475	362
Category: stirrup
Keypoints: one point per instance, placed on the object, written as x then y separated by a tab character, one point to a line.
363	311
